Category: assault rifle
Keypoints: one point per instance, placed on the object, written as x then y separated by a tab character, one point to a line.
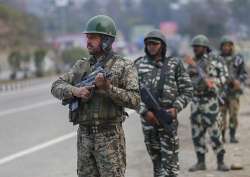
201	81
88	80
164	117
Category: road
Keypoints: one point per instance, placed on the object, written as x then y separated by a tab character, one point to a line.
38	141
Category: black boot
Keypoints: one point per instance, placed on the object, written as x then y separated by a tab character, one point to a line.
200	165
232	136
221	166
223	135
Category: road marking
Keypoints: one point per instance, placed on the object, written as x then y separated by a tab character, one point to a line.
37	105
36	148
28	107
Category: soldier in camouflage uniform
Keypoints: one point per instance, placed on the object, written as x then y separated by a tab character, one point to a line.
100	141
233	86
176	93
207	75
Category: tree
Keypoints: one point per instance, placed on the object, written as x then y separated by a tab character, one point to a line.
240	12
25	60
14	62
70	56
19	28
39	56
209	18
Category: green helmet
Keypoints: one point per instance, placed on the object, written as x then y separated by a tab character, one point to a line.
156	35
200	40
101	24
226	39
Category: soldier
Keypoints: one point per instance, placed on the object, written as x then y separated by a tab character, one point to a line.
207	75
233	86
167	76
100	141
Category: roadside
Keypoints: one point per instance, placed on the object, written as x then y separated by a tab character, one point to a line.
9	86
139	163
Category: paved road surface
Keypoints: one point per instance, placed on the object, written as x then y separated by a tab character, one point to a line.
37	140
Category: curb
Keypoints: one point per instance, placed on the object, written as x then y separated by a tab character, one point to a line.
19	85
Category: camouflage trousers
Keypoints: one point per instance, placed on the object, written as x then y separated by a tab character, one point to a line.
101	154
204	114
231	106
162	149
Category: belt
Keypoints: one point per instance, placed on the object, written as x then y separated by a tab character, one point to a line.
94	129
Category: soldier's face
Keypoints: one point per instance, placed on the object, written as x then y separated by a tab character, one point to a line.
227	48
94	43
154	48
199	50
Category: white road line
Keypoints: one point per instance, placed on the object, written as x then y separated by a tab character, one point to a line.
37	105
36	148
28	107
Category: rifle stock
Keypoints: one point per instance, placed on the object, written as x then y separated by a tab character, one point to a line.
163	116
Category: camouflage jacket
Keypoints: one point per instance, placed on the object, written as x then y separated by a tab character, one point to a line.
103	107
236	71
177	87
213	68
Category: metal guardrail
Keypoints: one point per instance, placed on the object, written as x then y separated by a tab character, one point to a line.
19	85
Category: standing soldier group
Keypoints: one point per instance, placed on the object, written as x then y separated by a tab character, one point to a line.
233	86
170	84
208	75
99	108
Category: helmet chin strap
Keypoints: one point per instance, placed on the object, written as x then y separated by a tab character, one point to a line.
106	43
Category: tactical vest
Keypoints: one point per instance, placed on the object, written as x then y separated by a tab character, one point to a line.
200	87
149	75
232	63
100	109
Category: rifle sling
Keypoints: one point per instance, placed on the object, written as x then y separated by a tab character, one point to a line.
160	84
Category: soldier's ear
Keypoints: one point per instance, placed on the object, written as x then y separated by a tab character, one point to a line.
107	43
208	49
